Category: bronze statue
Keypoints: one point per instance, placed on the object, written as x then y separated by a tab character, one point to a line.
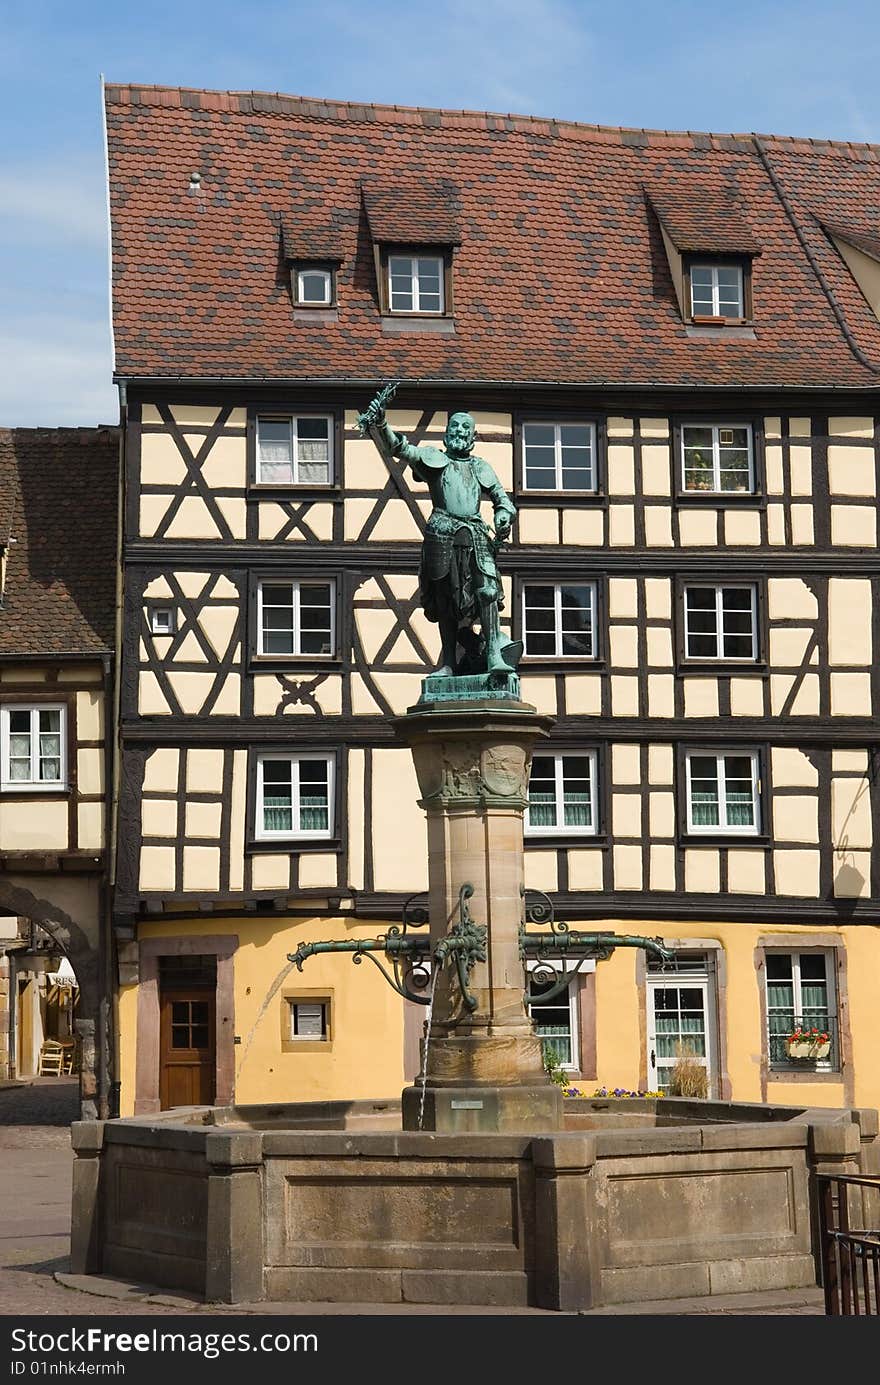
458	577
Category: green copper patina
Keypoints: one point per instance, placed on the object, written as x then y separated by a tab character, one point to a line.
458	576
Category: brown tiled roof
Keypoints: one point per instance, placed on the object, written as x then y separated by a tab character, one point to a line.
415	212
862	237
58	490
560	274
703	218
303	241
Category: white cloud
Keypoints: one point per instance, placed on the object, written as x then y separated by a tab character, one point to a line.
63	204
55	372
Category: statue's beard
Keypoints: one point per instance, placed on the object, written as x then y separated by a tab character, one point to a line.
459	452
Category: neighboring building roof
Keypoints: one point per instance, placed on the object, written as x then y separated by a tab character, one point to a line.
58	491
560	274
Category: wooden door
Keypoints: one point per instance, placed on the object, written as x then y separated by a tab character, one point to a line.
187	1047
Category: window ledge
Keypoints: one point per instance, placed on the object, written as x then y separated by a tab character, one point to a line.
732	839
570	840
317	314
12	789
270	490
305	663
394	326
720	499
733	331
720	668
572	499
799	1075
293	846
558	663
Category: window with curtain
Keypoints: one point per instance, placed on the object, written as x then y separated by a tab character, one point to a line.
800	992
32	747
721	622
722	793
559	620
294	796
717	457
295	450
562	794
296	618
556	1026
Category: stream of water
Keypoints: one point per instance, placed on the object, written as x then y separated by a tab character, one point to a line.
428	1018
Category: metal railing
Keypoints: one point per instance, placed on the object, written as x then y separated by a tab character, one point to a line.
779	1028
850	1254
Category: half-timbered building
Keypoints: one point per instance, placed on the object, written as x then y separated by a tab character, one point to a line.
671	347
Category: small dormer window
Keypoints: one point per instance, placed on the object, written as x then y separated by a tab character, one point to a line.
717	291
416	284
314	286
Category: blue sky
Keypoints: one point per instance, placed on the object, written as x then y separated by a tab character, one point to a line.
781	66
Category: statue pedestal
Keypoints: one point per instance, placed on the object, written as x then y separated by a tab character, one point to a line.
484	1065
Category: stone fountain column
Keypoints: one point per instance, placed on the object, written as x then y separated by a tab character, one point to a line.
484	1067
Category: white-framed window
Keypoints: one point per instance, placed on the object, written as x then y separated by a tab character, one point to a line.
723	793
309	1019
680	1001
557	1022
415	283
717	290
314	286
717	457
296	618
559	619
559	456
562	794
801	994
295	450
721	622
32	749
162	620
294	795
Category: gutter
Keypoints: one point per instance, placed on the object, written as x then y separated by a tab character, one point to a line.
431	382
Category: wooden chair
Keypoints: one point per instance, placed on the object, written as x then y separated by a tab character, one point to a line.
51	1059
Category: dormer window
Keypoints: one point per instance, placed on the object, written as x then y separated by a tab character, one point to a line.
710	247
416	284
717	291
314	286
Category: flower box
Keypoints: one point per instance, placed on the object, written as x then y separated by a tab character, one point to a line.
808	1049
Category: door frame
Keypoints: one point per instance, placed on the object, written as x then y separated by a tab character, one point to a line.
701	980
718	964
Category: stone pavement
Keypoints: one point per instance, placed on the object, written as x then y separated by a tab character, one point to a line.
35	1176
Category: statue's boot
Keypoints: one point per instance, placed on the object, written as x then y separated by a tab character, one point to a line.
492	636
448	637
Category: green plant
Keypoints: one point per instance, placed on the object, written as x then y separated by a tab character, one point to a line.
689	1076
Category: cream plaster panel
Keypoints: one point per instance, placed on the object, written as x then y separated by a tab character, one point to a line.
161	462
797	873
627	867
855	427
490	421
626	814
35	824
624	696
851	813
400	850
160	773
364	467
772	427
656	474
190	651
619	427
854	526
583	694
802	524
698	528
499	455
193	521
788	646
796	819
152	511
267	694
402	584
540	871
538	526
226	464
746	697
363	704
328	696
201	868
22	675
90	771
395	524
792	769
700	697
234	511
319	518
400	419
624	640
801	469
271	520
658	598
151	699
204	771
658	526
90	716
851	470
159	817
852	875
401	690
540	691
218	624
229	697
203	820
661	814
625	764
623	598
429	633
621	470
849	621
659	642
621	526
237	820
853	761
197	415
806	701
791	599
776	525
317	871
356	514
190	689
702	871
192	584
157	868
742	528
585	870
271	872
584	528
374	626
745	872
851	694
800	427
90	826
296	709
356	795
773	467
661	764
654	427
150	414
662	867
661	695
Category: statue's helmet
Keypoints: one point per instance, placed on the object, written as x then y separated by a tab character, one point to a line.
463	420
